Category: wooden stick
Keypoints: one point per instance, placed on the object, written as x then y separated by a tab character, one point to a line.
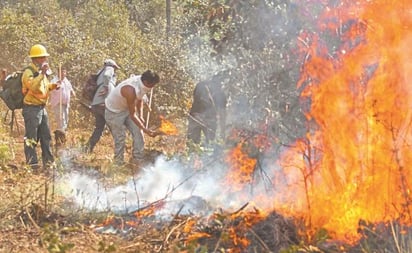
141	116
37	227
264	245
240	209
60	101
165	241
150	107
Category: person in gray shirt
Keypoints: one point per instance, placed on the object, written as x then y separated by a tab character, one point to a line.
106	82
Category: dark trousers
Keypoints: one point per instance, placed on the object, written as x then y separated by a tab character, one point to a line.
36	123
198	125
99	124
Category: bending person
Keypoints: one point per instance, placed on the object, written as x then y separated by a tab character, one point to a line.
122	109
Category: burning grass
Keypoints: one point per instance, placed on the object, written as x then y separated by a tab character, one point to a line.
35	218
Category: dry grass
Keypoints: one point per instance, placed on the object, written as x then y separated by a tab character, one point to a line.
35	218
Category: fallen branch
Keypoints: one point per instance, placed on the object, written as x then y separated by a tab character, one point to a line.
31	219
260	240
170	233
240	209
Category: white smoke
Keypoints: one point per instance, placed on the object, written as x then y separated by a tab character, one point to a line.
182	188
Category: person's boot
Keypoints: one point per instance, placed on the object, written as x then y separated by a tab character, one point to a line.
35	168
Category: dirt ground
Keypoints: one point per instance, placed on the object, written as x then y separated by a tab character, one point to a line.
34	218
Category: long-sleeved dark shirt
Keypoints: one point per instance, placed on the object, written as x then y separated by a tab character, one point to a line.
208	98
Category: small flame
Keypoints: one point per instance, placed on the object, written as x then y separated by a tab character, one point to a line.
108	220
235	228
238	232
149	210
167	127
197	235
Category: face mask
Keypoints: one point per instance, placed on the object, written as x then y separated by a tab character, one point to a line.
145	89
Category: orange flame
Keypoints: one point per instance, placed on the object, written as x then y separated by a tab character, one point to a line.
241	167
238	232
197	235
108	220
236	227
242	159
166	127
352	166
193	235
149	210
189	225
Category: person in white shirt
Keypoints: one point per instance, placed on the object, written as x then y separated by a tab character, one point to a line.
122	109
60	100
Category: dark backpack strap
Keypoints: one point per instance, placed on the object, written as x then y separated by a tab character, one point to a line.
25	89
98	74
31	68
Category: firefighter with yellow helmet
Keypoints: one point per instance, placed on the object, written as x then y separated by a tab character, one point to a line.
36	87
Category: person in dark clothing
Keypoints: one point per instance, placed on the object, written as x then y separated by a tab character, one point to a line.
106	82
208	111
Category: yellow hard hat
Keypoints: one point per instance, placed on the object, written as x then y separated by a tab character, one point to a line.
38	51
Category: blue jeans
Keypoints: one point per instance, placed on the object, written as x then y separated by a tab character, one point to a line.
36	123
118	123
